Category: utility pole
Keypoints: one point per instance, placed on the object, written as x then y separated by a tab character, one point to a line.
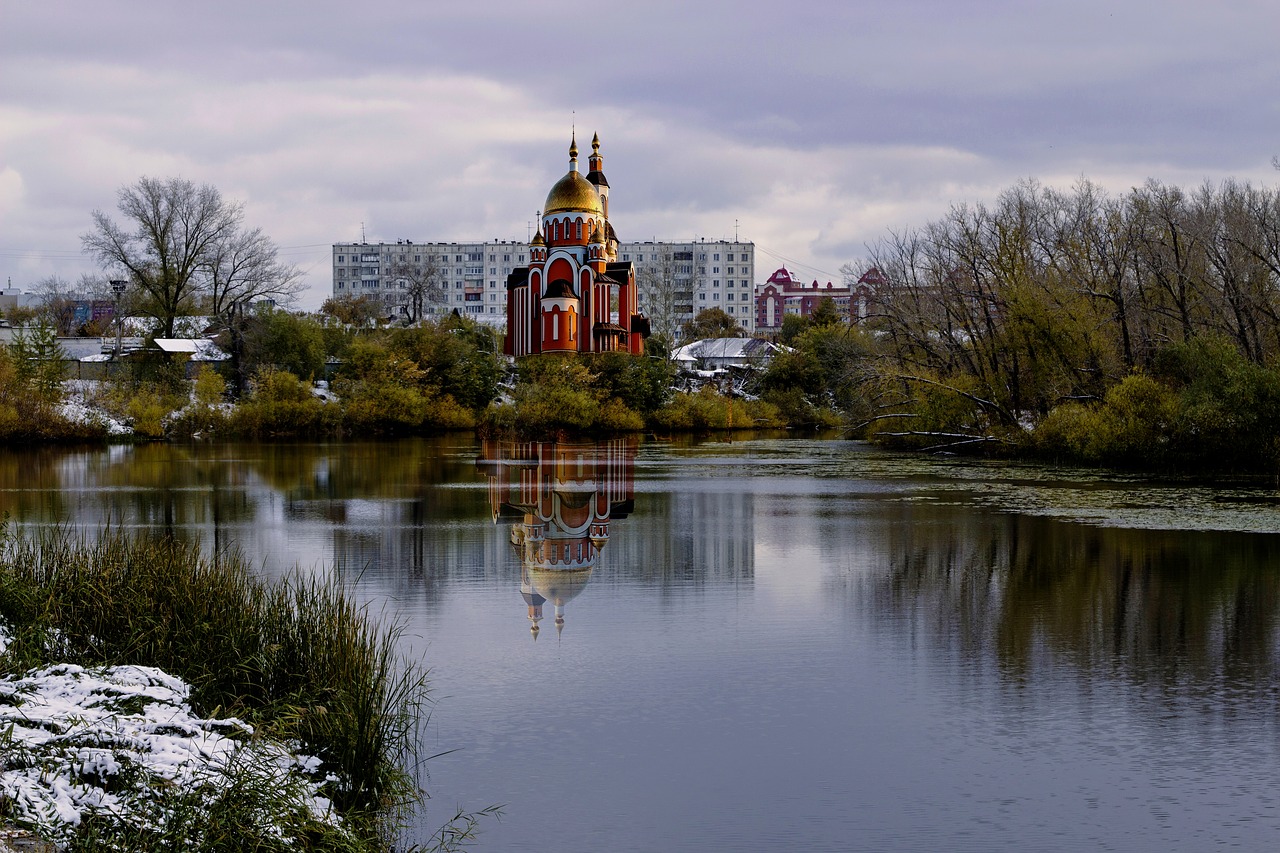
117	289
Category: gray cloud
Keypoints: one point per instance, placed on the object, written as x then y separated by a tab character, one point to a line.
814	126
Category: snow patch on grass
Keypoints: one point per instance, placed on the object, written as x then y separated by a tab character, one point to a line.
121	742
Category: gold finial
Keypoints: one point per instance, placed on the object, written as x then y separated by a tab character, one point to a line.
573	146
595	143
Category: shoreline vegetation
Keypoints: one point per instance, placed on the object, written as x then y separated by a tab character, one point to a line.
293	719
1133	331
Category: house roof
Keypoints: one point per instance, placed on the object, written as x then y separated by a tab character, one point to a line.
200	349
745	349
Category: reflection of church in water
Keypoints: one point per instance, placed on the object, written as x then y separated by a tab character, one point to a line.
562	497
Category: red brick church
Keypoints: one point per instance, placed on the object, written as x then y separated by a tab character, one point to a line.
575	295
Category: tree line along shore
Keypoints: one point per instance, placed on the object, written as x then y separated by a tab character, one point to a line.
1134	330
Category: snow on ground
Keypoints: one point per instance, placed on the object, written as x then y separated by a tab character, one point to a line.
77	407
116	739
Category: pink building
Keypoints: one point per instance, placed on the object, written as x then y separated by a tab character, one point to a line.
785	294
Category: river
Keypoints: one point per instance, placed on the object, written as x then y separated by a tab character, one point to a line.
772	644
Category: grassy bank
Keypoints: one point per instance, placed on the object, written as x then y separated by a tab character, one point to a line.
299	661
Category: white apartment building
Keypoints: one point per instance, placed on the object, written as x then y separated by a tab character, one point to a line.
705	274
472	277
693	275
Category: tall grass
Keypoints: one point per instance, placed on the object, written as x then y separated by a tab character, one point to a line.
299	659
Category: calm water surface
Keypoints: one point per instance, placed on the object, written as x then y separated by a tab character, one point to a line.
774	644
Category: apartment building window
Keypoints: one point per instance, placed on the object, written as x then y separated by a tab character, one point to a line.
506	259
716	256
729	256
417	259
730	297
715	283
702	256
729	270
715	297
492	270
457	285
702	297
624	257
340	284
715	269
342	259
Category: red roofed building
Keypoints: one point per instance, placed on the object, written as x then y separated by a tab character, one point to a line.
563	301
785	294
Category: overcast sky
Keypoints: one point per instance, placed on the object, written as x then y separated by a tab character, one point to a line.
812	128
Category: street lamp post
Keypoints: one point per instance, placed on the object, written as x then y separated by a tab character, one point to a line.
117	288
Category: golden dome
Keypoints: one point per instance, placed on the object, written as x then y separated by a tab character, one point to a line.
573	192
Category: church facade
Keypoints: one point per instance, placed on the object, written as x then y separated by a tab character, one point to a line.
575	295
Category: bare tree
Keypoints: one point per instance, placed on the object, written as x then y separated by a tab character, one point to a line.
57	303
666	285
242	267
172	229
422	283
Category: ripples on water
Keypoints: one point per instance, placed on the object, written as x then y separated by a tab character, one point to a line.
785	644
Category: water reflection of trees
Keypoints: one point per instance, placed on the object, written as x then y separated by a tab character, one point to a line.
414	515
1160	607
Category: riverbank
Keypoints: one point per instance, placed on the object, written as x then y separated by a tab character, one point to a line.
155	698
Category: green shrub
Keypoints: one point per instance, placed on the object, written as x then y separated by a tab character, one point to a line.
146	412
1133	425
281	405
709	410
